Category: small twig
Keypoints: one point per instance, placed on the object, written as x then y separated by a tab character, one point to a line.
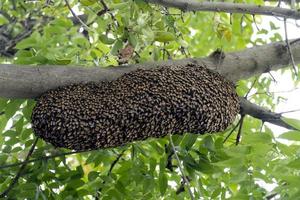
106	10
271	196
289	48
295	41
170	153
272	77
251	87
181	168
75	16
243	8
241	23
254	21
238	136
262	125
109	172
42	158
18	175
269	93
115	162
289	111
181	188
232	130
279	3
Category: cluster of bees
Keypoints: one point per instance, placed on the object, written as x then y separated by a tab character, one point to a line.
136	106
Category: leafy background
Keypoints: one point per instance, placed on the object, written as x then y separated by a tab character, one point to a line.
142	170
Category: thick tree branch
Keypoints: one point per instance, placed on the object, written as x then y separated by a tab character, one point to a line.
263	114
192	5
17	81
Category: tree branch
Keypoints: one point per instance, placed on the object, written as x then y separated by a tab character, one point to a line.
42	158
184	177
263	114
16	178
192	5
23	81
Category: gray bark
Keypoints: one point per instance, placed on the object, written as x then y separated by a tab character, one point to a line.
191	5
18	81
263	114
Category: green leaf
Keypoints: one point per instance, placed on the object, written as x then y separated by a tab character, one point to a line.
209	143
293	122
61	61
163	36
26	133
19	125
27	110
294	164
87	2
116	47
163	183
93	175
105	39
232	162
188	141
3	158
75	183
3	20
291	135
132	39
272	26
26	43
12	107
3	121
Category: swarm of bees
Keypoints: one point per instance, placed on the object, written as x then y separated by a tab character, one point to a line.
136	106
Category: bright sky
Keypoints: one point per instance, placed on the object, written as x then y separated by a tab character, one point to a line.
285	86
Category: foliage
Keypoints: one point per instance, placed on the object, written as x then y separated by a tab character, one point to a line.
148	169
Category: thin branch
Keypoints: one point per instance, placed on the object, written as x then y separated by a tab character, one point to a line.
115	162
271	75
268	93
271	196
238	136
43	158
18	175
110	171
181	169
289	48
227	7
289	111
234	66
78	18
232	130
181	187
251	87
263	114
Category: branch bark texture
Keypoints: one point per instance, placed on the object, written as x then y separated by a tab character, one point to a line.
17	81
263	114
243	8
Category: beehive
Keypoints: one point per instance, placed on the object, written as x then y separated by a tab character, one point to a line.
136	106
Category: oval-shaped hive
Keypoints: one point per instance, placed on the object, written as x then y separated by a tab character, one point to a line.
136	106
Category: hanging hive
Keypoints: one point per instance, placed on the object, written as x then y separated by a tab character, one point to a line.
136	106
